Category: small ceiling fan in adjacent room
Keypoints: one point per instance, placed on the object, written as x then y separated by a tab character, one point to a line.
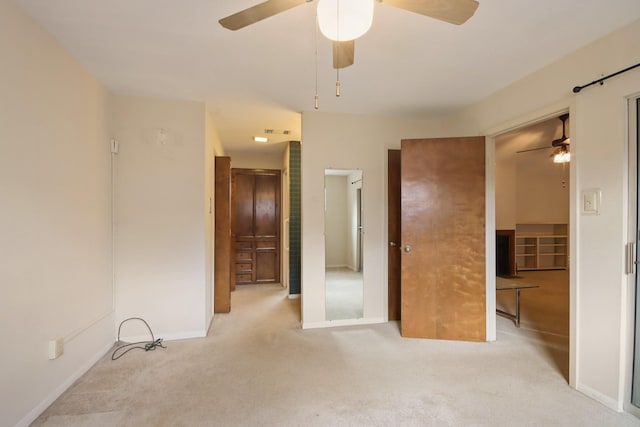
346	20
560	153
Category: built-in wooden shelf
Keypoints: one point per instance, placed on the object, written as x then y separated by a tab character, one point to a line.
541	246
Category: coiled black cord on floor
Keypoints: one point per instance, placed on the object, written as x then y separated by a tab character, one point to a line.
142	345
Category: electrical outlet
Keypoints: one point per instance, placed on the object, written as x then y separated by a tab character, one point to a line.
56	348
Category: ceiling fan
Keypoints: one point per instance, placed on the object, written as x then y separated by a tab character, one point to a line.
451	11
561	145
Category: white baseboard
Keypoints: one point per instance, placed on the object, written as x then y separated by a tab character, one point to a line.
607	401
55	394
210	323
294	296
166	337
337	266
345	322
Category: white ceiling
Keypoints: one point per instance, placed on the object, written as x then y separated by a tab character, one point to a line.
263	76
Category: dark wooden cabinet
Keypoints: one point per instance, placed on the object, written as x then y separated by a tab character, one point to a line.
256	225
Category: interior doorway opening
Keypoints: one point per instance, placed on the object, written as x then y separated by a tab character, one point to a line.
255	225
532	212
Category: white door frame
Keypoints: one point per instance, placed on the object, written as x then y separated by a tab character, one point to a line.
548	113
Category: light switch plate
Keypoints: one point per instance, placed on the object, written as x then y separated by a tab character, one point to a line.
591	199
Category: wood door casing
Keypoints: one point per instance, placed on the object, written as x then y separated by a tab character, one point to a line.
222	259
256	225
443	222
393	249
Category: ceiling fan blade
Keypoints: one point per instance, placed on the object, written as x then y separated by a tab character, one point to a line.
533	149
343	53
258	13
451	11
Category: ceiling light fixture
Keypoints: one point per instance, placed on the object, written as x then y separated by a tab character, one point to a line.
344	20
562	155
260	139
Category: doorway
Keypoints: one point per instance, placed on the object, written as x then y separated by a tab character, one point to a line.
255	225
532	205
555	259
394	208
222	221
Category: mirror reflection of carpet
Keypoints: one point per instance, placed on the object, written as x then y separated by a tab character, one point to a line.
343	294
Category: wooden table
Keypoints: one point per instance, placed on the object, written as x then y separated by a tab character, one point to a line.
503	284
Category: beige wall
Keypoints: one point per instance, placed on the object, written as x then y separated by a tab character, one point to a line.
248	160
530	188
55	220
542	190
505	183
162	214
212	148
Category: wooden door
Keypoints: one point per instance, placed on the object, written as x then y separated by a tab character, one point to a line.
243	193
222	262
393	249
256	225
443	239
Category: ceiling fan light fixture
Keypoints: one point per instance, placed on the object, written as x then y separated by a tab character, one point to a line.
344	20
562	156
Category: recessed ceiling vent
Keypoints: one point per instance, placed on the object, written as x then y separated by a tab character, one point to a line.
277	131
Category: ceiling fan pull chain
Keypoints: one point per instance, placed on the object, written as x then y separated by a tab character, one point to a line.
339	50
316	105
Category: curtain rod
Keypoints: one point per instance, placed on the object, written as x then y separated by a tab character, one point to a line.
577	89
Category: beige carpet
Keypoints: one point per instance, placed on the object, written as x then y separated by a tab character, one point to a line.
258	368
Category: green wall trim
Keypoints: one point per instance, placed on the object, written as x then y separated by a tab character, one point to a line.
295	196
